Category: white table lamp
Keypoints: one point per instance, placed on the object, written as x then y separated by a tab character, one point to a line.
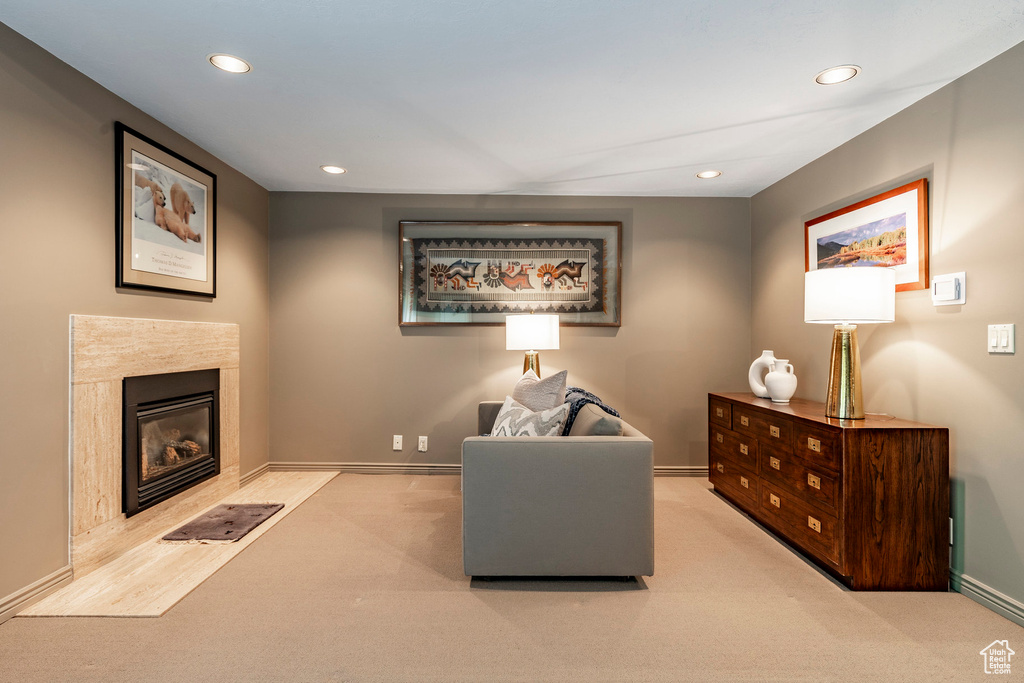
847	297
531	333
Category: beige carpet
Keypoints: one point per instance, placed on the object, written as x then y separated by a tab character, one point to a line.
364	582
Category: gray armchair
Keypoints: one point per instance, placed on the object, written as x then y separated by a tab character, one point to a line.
558	505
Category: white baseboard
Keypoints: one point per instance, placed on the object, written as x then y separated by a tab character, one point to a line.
368	467
680	470
253	475
987	596
15	602
429	468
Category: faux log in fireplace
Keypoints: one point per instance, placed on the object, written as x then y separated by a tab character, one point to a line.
170	435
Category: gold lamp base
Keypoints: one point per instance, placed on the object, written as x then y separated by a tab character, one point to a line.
532	362
845	399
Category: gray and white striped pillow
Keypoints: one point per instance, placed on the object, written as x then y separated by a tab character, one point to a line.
515	419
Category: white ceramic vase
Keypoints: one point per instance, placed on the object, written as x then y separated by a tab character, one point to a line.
780	381
758	368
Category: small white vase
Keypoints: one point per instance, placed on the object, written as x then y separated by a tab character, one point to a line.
780	381
755	376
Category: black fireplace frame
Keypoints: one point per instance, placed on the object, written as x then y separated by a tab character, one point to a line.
142	394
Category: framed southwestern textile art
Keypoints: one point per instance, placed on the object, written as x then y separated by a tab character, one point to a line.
477	273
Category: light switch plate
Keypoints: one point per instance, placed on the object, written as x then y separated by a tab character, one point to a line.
949	289
1001	339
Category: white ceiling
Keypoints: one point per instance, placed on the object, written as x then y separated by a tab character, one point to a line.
590	97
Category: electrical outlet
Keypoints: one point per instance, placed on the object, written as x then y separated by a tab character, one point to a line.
396	445
423	444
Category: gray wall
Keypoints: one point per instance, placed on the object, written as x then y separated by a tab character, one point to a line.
345	377
931	364
57	221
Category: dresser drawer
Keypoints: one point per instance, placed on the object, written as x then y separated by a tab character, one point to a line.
814	484
765	428
737	481
739	448
720	412
807	526
817	446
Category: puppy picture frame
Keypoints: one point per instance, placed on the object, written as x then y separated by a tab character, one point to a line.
166	218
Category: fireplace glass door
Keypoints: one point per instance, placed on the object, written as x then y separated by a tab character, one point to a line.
173	438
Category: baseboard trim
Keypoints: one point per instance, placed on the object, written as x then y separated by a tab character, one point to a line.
427	468
15	602
253	475
986	596
367	467
680	470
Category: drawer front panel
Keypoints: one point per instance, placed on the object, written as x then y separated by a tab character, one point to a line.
814	484
720	413
817	446
809	527
765	428
740	483
741	449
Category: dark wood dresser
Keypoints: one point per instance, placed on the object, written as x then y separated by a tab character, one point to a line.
868	500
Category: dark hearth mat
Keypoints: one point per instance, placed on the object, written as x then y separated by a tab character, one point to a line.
225	523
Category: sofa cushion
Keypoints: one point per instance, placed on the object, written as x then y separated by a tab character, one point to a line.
540	394
593	421
515	419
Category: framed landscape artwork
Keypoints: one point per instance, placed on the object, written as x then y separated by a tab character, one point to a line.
473	273
166	218
889	230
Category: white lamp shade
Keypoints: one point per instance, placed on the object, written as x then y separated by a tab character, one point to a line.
850	295
531	332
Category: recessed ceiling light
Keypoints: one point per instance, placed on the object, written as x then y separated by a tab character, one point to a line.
333	169
230	63
705	175
837	74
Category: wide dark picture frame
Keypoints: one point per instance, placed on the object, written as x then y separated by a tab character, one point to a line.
477	272
162	265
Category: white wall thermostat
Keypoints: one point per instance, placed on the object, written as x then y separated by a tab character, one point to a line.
949	289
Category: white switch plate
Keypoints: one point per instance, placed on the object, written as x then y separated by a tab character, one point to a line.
396	445
422	447
1001	339
949	289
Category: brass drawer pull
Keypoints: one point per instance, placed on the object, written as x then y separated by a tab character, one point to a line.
743	449
814	445
775	500
814	482
744	483
719	438
774	431
745	421
719	412
720	467
814	524
775	463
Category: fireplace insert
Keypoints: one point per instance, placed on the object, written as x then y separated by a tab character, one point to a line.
170	435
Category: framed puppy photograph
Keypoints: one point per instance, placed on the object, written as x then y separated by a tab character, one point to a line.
166	218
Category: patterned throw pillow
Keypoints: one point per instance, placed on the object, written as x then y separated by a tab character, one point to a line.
515	419
540	394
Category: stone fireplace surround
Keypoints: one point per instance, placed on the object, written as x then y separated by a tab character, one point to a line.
104	351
